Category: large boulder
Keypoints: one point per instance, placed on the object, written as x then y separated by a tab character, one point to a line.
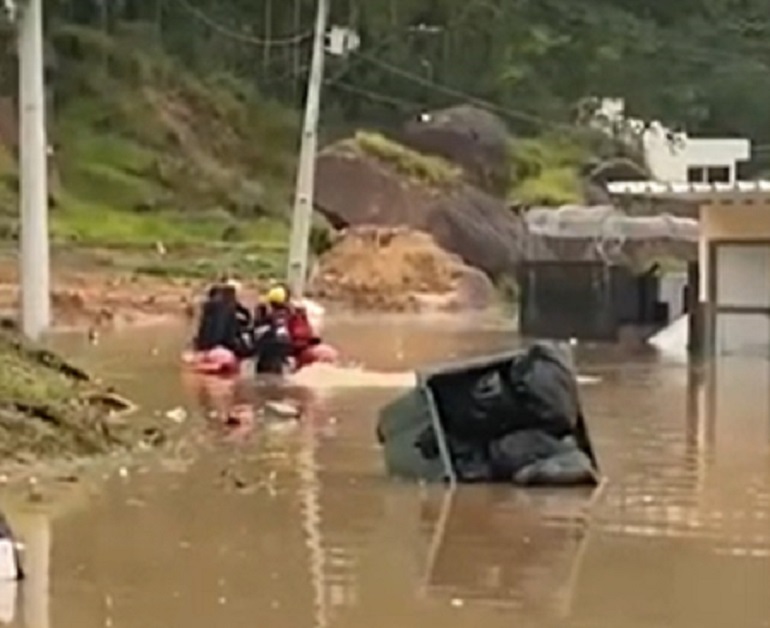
470	137
354	188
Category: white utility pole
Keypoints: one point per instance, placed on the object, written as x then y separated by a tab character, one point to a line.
33	162
302	218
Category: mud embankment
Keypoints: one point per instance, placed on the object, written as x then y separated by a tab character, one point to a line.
52	411
95	298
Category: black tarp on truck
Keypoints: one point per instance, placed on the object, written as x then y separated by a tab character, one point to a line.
511	418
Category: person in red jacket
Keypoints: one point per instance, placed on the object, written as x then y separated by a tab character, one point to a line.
278	311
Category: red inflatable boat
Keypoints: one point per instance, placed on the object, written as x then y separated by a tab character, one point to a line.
217	361
320	353
223	362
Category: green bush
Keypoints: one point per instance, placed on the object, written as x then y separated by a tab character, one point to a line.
432	171
546	170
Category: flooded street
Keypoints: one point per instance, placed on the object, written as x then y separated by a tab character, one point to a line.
294	526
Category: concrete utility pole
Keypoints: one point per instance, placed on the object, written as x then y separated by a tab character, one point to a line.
33	161
303	197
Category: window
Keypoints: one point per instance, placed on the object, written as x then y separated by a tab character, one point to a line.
696	174
708	174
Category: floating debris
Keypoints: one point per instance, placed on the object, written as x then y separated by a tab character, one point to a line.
282	409
177	415
35	492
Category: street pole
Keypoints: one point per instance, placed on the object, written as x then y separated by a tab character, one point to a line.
305	186
33	159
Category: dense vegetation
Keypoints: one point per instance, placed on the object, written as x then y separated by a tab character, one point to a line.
698	63
180	105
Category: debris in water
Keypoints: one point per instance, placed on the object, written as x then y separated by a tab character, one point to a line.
283	409
154	436
35	493
177	415
457	602
123	472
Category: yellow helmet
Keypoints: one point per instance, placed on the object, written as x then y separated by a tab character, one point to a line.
277	295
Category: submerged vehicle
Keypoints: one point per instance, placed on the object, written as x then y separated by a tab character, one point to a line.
512	418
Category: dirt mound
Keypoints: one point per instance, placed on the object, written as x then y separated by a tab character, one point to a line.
356	188
395	269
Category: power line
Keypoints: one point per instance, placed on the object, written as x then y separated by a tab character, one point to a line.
393	37
375	96
293	73
291	40
576	10
455	93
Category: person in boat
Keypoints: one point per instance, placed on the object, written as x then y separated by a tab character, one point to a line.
273	343
224	323
278	302
243	317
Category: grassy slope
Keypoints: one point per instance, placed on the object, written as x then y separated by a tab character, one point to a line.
45	410
146	152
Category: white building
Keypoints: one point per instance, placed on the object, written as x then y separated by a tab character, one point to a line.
676	157
733	312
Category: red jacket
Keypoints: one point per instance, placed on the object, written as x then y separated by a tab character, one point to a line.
300	329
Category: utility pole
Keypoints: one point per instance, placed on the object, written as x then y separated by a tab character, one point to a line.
33	160
305	187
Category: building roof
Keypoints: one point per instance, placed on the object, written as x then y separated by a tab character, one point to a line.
606	222
608	234
745	192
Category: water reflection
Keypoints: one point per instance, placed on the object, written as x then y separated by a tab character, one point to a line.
26	604
518	550
35	591
292	523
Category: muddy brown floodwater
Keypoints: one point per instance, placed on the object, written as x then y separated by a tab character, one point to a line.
297	527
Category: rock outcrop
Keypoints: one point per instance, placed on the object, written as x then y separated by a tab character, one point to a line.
354	188
474	139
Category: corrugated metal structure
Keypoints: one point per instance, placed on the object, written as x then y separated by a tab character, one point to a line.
589	271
